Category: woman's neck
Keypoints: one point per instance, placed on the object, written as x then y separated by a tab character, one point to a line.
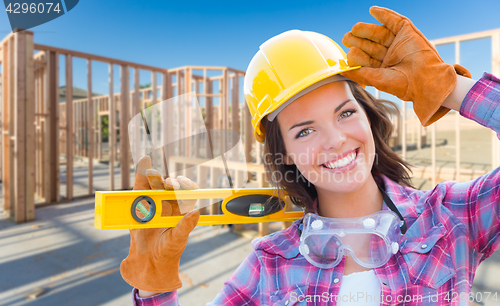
362	202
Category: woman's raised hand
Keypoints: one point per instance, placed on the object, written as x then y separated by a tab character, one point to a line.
398	59
153	261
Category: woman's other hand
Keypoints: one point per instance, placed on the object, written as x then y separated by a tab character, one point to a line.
398	59
152	265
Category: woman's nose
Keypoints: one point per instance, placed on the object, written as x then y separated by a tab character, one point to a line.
333	138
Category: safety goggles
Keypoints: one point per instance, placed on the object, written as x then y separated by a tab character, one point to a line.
370	240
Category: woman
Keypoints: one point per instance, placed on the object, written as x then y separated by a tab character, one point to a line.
325	140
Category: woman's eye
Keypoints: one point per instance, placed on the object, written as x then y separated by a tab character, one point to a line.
347	113
303	133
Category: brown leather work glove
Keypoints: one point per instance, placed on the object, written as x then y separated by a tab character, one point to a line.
398	59
153	260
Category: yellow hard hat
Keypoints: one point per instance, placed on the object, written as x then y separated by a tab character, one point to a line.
285	65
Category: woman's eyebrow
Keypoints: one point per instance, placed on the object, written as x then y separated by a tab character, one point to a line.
342	104
311	121
301	124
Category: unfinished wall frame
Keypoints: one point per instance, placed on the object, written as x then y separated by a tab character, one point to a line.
19	133
31	146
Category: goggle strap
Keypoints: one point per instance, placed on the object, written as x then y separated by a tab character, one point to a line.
389	203
393	207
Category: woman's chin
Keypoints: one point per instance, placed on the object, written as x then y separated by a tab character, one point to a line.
343	182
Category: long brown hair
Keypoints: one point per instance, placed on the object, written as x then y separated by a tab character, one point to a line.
388	163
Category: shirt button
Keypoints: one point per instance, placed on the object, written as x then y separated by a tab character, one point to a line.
286	303
424	246
336	280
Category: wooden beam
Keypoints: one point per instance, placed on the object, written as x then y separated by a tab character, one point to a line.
249	139
197	120
90	130
40	128
98	58
235	104
6	109
153	125
24	209
209	116
207	68
136	109
180	114
167	125
465	37
29	126
124	119
235	112
11	139
1	125
111	131
202	172
77	122
69	127
187	108
51	146
224	108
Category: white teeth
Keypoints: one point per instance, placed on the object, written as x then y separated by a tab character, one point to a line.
342	162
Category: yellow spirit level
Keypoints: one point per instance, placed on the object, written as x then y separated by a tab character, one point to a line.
118	209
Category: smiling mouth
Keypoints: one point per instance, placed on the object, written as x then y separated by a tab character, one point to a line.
343	162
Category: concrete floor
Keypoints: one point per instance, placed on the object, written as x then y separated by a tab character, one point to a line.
76	264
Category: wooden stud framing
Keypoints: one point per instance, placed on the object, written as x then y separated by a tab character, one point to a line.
235	111
29	189
224	108
124	119
69	127
98	58
111	130
1	124
248	134
187	108
495	43
181	122
90	130
20	126
30	158
167	115
11	139
6	109
209	114
80	118
136	106
52	176
21	178
154	120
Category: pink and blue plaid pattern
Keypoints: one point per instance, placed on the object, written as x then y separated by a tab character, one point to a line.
451	229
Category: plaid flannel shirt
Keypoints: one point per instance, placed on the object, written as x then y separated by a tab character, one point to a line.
451	230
